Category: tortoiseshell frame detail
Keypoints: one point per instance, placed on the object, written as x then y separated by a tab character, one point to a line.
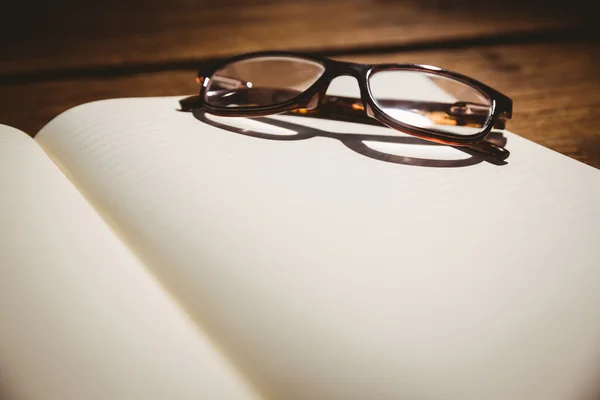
309	100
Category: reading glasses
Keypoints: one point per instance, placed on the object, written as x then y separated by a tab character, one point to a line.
421	100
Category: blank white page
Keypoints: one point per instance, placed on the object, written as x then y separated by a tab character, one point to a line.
80	316
328	274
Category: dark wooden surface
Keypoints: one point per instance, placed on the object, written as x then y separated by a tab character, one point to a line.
544	56
75	34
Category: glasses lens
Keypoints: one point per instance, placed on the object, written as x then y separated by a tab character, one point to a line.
262	81
430	101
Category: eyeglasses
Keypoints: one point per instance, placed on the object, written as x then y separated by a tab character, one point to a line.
421	100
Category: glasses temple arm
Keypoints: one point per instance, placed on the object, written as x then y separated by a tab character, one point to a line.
352	110
458	113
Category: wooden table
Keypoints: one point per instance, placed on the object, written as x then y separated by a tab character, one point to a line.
546	57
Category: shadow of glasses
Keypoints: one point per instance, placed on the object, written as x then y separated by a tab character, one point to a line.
369	145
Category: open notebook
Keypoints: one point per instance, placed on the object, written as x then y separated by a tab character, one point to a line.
145	254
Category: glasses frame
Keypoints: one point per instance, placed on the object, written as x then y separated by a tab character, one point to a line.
309	101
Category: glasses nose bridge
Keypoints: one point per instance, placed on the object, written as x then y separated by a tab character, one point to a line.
344	68
357	71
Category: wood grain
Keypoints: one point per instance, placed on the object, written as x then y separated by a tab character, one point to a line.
554	87
72	34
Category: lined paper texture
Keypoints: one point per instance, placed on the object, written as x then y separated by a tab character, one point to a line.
325	270
80	317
